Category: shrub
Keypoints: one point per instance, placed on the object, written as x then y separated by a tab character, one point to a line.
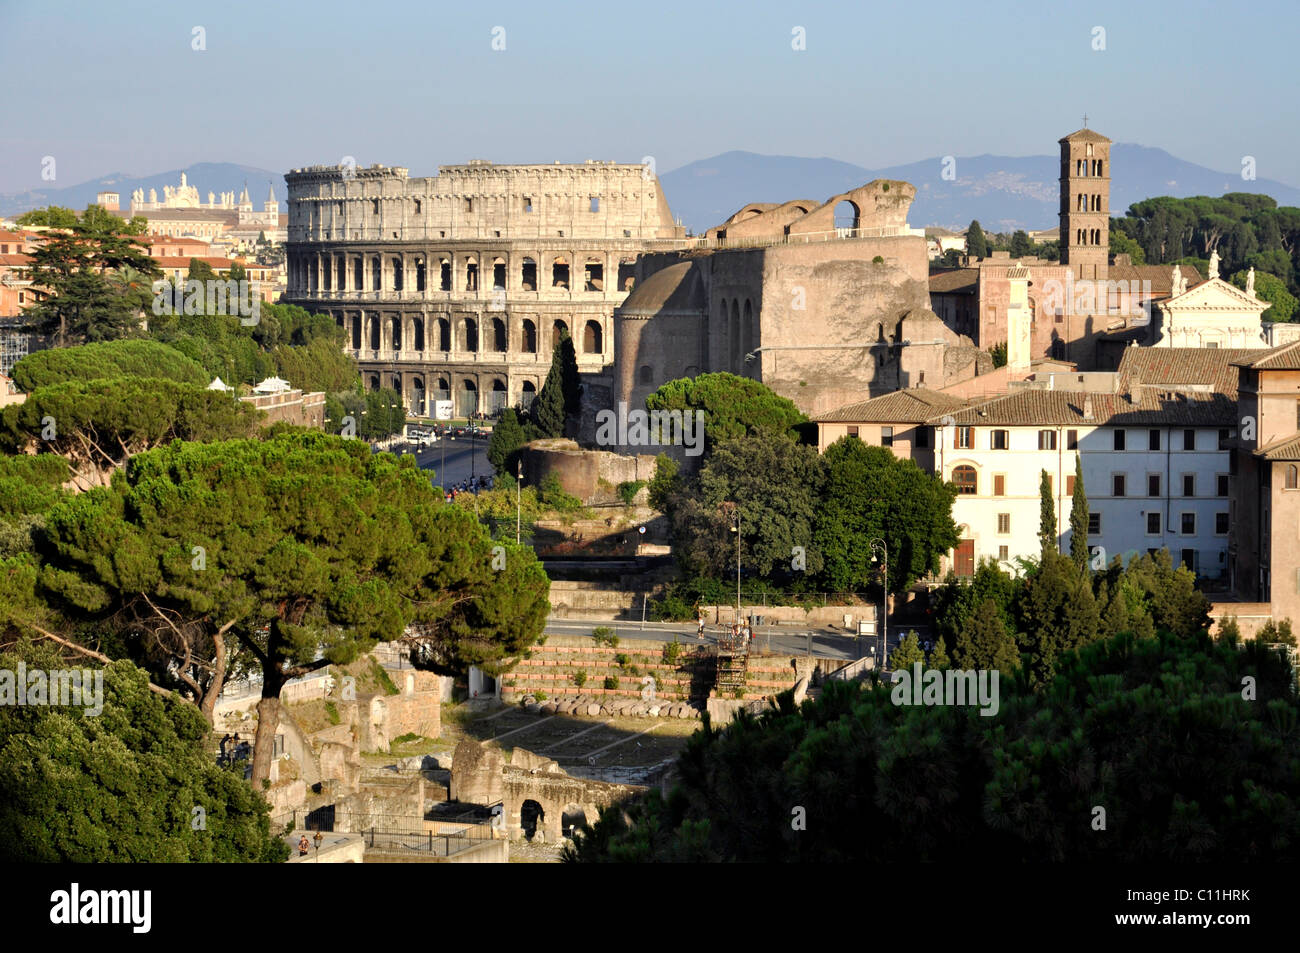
604	635
540	696
332	711
580	678
628	490
621	659
611	683
672	651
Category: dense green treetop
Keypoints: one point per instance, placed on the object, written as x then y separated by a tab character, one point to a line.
129	358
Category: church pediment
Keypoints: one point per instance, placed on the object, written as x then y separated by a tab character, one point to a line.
1215	296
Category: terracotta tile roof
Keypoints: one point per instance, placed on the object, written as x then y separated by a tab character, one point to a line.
1284	448
913	405
959	280
1284	358
1160	276
1090	135
1183	366
1066	408
15	260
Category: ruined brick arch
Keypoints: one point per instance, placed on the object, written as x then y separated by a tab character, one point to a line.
528	344
847	213
593	338
444	334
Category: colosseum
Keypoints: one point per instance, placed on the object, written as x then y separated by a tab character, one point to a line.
454	287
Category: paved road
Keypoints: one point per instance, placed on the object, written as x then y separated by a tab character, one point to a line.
795	640
458	455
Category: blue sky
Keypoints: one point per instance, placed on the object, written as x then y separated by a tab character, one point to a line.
107	87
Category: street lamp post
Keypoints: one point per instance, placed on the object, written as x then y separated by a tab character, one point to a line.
518	506
736	529
878	546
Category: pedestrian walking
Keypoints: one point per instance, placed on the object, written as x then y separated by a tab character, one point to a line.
303	846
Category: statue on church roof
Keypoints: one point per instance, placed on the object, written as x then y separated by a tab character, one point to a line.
1214	263
1250	281
1176	282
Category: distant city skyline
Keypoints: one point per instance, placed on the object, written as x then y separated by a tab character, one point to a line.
120	89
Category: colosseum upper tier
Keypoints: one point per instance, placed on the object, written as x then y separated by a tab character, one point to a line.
455	286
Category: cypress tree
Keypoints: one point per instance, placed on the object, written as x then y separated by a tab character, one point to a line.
560	396
1079	518
1047	518
977	246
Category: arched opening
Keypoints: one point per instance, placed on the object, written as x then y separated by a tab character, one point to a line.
573	819
471	275
499	274
417	397
358	275
735	335
395	327
444	275
468	398
528	395
531	817
626	274
498	335
444	334
558	330
747	338
497	398
374	382
469	334
646	375
560	273
374	333
592	338
397	274
1292	475
376	274
965	479
848	218
594	275
397	383
529	337
356	331
417	332
442	389
528	275
419	274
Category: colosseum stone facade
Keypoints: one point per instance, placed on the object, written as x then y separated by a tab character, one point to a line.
455	286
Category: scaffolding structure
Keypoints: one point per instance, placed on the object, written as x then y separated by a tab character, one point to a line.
733	662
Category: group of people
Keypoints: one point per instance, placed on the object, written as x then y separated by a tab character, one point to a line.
472	485
233	749
738	630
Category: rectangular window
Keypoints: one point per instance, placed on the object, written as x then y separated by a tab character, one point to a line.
1072	440
1119	439
1094	524
595	204
1189	524
1189	484
1189	439
1047	440
999	440
469	205
417	206
1003	554
1222	481
1221	524
853	431
1004	523
1153	438
1153	524
1189	559
965	438
886	436
999	484
1153	484
1069	485
923	437
1117	484
528	203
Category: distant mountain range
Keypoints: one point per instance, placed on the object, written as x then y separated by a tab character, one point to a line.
207	177
1003	192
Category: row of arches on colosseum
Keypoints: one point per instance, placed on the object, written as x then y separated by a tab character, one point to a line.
741	324
469	393
464	334
458	272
